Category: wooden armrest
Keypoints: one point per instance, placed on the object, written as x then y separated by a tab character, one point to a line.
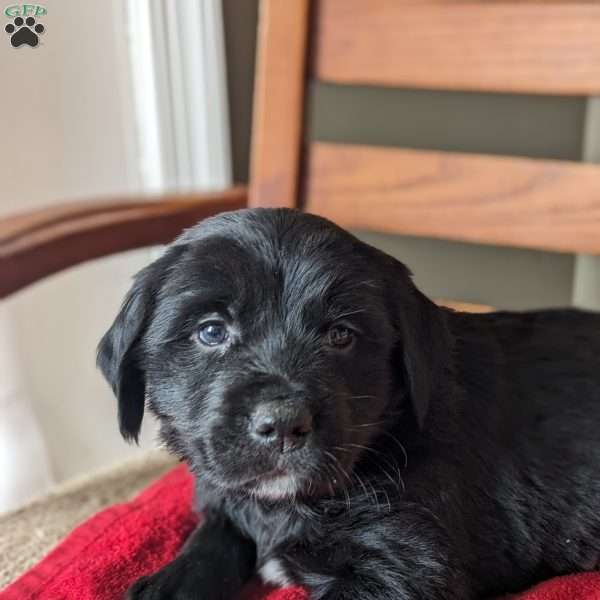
37	244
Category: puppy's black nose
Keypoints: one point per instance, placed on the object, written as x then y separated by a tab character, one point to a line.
281	427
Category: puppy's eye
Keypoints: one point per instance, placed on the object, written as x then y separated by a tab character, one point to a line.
213	333
340	336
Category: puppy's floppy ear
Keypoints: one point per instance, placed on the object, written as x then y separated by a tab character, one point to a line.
426	350
425	343
119	355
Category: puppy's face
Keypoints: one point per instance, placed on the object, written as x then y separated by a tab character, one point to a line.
271	346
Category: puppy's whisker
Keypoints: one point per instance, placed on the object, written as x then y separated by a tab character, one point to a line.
337	466
386	473
361	397
361	483
367	425
396	483
331	479
400	479
384	433
370	494
388	435
381	457
362	447
341	449
375	497
336	462
387	498
347	497
399	444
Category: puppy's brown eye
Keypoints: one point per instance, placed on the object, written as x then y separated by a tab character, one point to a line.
213	333
340	336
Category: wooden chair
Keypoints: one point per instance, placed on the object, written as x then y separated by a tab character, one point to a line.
548	47
544	47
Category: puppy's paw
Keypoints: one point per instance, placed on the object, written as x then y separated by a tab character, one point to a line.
172	583
138	589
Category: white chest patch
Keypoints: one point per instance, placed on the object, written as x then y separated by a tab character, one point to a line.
273	572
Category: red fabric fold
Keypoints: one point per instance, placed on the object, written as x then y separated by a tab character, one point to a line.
106	553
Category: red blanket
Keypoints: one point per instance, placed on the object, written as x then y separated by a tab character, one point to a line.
102	556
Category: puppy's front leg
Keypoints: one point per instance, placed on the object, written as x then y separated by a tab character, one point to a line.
213	564
395	557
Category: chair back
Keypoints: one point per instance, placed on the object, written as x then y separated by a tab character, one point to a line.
549	47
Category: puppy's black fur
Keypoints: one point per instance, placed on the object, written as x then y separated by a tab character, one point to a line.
431	454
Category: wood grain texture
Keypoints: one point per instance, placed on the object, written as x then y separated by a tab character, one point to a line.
524	47
279	92
549	205
38	244
465	306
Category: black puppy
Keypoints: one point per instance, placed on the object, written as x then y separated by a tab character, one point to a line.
348	435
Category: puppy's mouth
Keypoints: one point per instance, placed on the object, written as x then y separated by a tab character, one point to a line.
287	486
290	482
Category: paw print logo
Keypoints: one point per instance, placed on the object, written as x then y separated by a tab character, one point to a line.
24	32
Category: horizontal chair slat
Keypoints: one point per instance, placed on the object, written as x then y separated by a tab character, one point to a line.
522	47
37	244
464	306
549	205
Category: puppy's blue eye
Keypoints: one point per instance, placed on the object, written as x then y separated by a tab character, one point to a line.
340	336
213	333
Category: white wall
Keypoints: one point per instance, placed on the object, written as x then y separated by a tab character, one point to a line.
66	134
64	123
